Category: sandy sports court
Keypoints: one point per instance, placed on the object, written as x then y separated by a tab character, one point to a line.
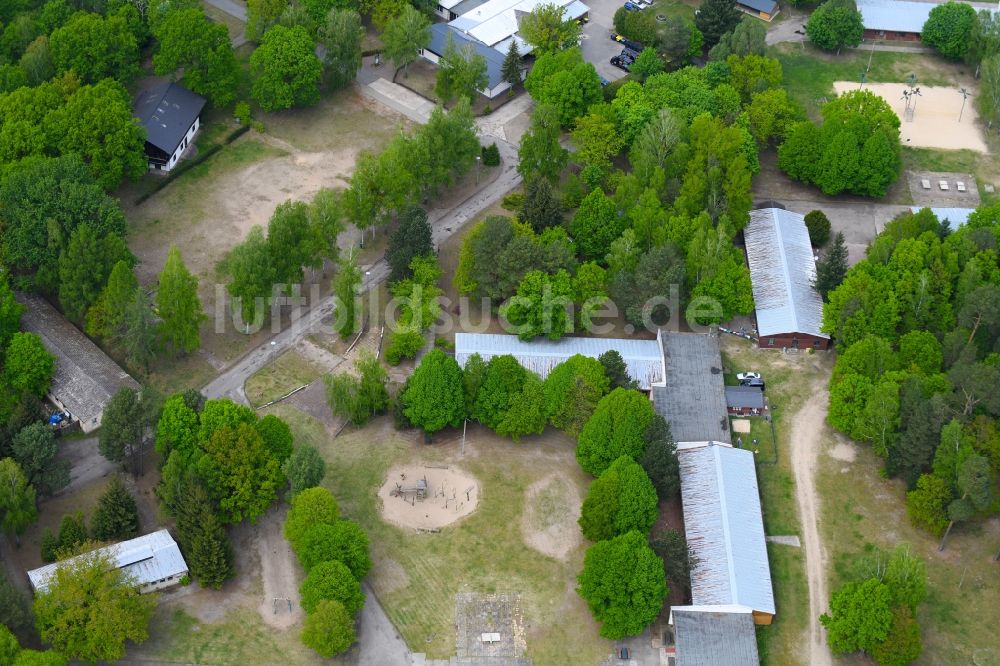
935	122
423	497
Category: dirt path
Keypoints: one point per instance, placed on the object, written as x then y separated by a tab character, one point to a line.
806	427
278	573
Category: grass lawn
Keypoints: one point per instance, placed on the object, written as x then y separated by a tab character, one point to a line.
239	637
416	575
287	372
809	73
674	8
861	510
787	376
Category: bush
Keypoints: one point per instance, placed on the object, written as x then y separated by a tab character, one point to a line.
491	155
242	113
818	225
403	343
513	202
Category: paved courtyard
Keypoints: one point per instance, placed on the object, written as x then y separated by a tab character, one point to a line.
597	47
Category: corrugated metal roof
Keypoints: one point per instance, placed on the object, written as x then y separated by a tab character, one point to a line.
496	20
494	60
642	357
85	377
744	396
956	216
724	526
692	398
714	636
783	270
766	6
901	15
147	559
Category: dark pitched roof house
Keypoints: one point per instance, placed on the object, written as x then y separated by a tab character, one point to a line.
765	9
85	377
167	111
714	636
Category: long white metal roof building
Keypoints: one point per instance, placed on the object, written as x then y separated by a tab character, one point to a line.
783	270
725	528
151	560
902	15
643	358
496	22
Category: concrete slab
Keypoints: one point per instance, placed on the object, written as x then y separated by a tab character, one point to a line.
407	102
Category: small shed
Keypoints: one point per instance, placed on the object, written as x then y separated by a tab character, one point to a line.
85	377
153	561
171	115
745	400
765	10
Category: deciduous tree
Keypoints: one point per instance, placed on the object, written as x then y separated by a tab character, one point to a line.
621	500
540	306
331	580
572	391
434	396
343	541
252	276
412	238
835	24
503	382
547	30
189	41
116	612
28	366
358	398
715	18
312	506
949	28
616	428
623	583
404	36
329	630
286	72
34	449
304	469
540	153
341	35
660	458
95	48
17	499
461	72
240	472
860	617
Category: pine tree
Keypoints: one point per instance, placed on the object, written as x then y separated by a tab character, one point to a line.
512	68
107	317
117	516
178	304
541	207
715	18
203	538
831	269
139	339
81	277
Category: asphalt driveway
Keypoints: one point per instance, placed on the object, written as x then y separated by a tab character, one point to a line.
596	45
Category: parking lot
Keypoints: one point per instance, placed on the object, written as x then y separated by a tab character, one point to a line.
597	46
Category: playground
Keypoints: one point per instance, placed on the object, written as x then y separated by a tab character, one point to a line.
427	497
929	119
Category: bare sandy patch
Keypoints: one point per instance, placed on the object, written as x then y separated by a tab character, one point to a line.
741	425
551	511
844	452
935	121
428	498
279	571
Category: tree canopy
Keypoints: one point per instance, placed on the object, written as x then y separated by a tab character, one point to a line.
286	72
621	500
949	28
615	429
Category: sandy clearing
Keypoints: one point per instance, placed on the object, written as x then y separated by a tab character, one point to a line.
551	511
741	425
451	495
807	425
935	122
843	451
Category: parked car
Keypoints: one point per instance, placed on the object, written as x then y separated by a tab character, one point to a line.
632	7
740	376
756	383
643	3
628	43
631	54
604	81
621	63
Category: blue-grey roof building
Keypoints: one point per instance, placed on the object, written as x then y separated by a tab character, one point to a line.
783	270
643	358
441	32
762	9
724	528
692	396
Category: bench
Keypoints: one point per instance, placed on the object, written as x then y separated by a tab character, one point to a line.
960	186
491	638
943	184
925	183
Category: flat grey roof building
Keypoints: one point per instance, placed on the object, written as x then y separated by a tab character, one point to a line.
85	377
725	528
714	636
744	397
783	270
152	560
642	357
692	398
